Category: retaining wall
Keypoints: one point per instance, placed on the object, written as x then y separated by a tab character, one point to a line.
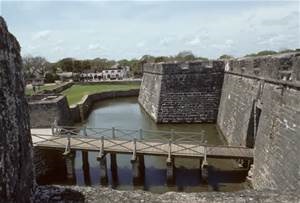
58	89
133	81
260	108
81	110
182	92
44	111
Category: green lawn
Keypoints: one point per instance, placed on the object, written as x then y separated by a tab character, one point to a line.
76	92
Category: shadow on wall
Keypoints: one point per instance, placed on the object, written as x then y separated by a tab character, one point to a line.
253	125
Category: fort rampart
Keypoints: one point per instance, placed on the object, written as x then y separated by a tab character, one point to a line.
182	92
260	108
254	101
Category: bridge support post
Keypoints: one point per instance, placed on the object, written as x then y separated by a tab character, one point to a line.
170	171
141	164
200	167
86	167
204	171
136	165
170	163
103	170
246	164
136	170
81	113
204	166
114	169
70	163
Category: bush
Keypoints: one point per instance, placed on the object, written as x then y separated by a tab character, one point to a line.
262	53
225	56
50	78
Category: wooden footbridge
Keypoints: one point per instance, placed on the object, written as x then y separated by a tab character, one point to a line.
136	142
164	143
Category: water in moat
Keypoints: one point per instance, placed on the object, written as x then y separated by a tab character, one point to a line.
126	113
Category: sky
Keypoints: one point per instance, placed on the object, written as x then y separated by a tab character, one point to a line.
131	29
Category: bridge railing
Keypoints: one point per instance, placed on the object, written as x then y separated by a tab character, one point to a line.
132	141
130	134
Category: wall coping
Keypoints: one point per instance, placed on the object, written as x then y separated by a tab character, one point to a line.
189	67
85	97
50	101
281	69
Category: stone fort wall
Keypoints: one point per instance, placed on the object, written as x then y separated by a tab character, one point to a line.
260	108
45	109
182	92
16	168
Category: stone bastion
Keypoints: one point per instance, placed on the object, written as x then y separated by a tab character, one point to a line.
182	92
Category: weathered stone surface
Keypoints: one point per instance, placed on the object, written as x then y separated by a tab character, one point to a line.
16	171
269	87
44	111
182	92
105	195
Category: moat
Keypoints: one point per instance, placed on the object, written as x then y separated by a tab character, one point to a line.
126	113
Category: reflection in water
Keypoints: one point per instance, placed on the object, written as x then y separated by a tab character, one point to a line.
126	113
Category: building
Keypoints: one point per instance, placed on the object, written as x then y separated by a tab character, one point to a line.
90	76
38	81
116	72
65	75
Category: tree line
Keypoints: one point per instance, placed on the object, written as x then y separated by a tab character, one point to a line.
39	66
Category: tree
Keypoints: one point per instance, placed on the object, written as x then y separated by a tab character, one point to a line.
185	56
147	59
287	50
262	53
66	64
225	56
51	77
100	64
35	66
77	67
266	52
86	65
161	59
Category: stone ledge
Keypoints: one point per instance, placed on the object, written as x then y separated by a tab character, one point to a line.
104	195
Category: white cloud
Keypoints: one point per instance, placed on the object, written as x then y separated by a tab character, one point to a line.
276	40
194	41
57	49
166	41
229	42
94	47
42	35
207	29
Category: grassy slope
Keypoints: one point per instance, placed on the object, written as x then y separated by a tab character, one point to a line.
76	92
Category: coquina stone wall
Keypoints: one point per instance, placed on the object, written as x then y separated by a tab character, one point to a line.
77	194
182	92
43	111
16	168
58	89
260	108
